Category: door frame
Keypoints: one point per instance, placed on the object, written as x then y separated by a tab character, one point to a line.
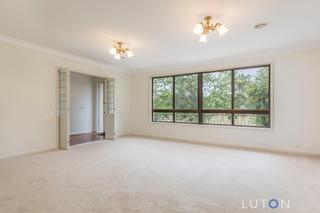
109	109
64	108
64	130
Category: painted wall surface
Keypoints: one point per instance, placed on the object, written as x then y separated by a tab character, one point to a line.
29	94
295	106
29	102
82	103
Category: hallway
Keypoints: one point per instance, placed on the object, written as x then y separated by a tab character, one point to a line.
84	138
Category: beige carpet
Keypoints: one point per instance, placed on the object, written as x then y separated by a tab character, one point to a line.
145	175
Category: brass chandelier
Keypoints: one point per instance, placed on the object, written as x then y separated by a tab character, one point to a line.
205	27
120	52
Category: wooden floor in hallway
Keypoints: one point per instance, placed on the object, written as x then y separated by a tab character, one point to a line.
85	138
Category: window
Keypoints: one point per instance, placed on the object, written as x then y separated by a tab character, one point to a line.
163	99
235	97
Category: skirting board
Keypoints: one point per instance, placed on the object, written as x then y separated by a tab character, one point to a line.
41	151
227	146
28	153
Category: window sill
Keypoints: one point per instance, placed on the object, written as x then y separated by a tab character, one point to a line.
213	126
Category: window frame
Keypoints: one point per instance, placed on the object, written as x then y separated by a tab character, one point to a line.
200	111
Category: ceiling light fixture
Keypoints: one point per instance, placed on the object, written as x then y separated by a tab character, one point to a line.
119	52
205	27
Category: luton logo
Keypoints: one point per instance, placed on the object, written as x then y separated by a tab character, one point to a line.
265	203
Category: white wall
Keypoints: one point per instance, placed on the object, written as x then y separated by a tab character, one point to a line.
82	103
296	101
29	119
28	91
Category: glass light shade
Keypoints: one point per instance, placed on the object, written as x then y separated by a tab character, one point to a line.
130	53
198	29
113	51
117	56
203	38
222	29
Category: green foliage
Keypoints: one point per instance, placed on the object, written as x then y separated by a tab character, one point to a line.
187	117
162	93
163	116
251	120
217	118
186	94
252	92
217	90
251	88
186	97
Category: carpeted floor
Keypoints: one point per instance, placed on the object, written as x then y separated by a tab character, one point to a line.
150	176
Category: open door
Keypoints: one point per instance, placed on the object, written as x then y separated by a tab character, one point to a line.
109	115
64	109
99	117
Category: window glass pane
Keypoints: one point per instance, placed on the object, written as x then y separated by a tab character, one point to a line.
251	120
163	116
217	90
251	88
217	118
186	92
162	93
186	117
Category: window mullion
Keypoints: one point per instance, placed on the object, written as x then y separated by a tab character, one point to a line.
152	119
200	98
174	99
232	97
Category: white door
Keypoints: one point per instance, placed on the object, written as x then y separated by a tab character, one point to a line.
100	107
64	109
109	115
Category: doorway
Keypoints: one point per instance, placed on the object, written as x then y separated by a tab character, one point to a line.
86	108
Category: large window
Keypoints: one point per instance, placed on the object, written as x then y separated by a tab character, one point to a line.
235	97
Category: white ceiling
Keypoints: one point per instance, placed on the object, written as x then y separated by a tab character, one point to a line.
160	31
